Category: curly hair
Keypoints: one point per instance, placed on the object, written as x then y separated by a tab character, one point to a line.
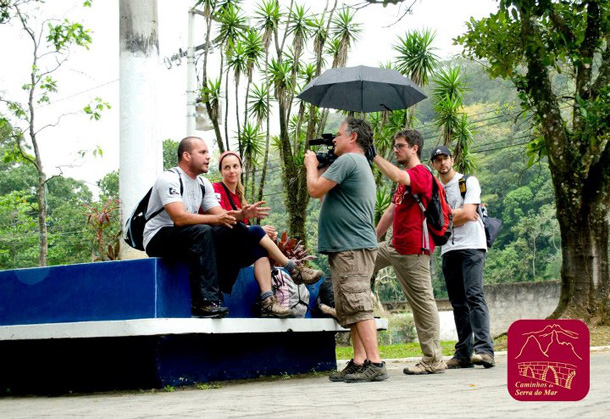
362	128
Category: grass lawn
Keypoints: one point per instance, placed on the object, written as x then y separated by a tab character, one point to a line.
400	350
600	336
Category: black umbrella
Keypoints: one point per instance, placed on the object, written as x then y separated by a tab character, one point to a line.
362	89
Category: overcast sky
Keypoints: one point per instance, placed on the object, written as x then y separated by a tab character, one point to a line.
94	73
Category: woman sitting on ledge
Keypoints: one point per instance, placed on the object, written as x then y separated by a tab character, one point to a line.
230	195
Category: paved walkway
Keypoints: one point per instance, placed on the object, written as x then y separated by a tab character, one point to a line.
468	393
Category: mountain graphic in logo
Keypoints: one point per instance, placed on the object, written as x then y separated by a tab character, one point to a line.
553	342
548	359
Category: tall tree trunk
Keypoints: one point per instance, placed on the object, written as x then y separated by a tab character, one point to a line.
213	114
41	198
227	110
239	144
261	186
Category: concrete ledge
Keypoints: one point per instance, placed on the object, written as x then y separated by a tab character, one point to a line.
169	326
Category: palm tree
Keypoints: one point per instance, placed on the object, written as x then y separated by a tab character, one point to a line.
464	137
346	31
254	51
257	100
209	10
416	59
238	62
232	27
251	140
300	31
448	96
268	17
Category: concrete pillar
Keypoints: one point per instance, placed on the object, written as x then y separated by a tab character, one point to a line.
141	154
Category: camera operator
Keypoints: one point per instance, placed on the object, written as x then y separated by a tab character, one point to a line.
347	234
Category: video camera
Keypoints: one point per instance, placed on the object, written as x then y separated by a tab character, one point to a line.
325	159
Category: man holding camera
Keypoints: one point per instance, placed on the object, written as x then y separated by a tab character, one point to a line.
347	234
406	252
463	263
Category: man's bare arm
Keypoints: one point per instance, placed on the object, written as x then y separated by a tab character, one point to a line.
392	172
215	216
462	215
386	221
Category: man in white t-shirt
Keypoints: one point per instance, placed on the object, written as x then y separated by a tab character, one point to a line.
463	263
187	217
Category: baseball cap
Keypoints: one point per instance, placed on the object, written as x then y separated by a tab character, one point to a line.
440	150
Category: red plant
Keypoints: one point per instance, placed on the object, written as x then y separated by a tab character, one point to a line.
293	249
100	220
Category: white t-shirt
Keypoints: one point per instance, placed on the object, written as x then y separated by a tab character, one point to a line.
167	190
470	235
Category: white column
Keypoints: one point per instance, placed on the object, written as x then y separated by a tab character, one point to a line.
141	154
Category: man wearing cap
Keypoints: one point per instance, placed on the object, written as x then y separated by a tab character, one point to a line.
407	251
463	263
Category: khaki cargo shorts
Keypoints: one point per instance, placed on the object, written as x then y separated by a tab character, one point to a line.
351	273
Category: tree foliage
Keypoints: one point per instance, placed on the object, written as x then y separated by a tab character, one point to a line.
530	43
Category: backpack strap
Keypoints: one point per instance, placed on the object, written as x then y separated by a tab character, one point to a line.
425	241
462	185
154	214
229	196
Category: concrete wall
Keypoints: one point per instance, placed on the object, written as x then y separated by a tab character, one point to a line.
520	300
507	303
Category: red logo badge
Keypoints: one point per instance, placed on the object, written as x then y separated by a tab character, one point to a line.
548	360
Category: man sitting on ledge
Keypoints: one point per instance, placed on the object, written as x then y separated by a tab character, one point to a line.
192	226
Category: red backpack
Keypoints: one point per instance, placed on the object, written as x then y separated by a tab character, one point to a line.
438	219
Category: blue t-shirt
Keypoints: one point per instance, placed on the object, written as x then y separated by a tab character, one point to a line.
348	209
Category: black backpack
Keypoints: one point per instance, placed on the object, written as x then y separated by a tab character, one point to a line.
134	226
492	225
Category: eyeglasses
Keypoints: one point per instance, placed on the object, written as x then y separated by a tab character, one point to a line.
399	146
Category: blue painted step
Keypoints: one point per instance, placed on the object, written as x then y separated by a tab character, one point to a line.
117	290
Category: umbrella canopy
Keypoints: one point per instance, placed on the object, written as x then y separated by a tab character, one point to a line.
362	89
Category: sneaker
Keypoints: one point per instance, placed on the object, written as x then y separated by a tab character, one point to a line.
369	372
271	308
304	275
211	309
483	359
420	368
455	363
351	368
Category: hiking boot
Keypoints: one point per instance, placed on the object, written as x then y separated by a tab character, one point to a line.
420	368
304	275
455	363
483	359
369	372
350	368
271	308
328	310
211	309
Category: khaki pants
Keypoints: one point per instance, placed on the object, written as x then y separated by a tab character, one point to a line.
351	272
413	273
